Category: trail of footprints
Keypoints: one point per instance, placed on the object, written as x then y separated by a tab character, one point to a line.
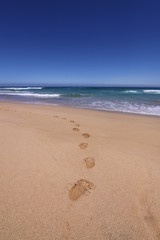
82	186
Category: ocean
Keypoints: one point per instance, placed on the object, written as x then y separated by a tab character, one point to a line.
114	99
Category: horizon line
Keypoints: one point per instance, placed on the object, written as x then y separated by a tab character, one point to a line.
74	85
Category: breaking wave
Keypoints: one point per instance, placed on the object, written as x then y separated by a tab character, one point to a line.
27	94
131	91
21	88
152	91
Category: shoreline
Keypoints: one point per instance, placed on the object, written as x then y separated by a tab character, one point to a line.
87	109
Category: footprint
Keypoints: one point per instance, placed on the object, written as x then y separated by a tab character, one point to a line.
86	135
90	162
83	145
72	121
76	129
77	125
64	118
81	187
56	116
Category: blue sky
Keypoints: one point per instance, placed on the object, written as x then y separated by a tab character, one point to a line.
80	42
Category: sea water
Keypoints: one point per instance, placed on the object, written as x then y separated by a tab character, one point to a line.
117	99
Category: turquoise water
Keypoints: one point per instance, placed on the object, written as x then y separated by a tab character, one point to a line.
130	100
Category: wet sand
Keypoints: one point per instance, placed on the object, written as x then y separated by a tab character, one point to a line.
78	174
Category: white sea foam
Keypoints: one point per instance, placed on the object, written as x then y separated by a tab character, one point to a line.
22	88
152	91
124	106
29	94
131	91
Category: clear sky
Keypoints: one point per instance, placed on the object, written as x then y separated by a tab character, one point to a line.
112	42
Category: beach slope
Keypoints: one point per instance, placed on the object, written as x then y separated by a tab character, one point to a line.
78	174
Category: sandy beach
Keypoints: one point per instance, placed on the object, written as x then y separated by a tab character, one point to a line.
69	173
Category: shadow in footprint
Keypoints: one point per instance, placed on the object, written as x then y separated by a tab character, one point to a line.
81	187
72	121
76	129
86	135
90	162
83	145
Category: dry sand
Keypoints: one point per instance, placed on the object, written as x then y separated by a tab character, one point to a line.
46	190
